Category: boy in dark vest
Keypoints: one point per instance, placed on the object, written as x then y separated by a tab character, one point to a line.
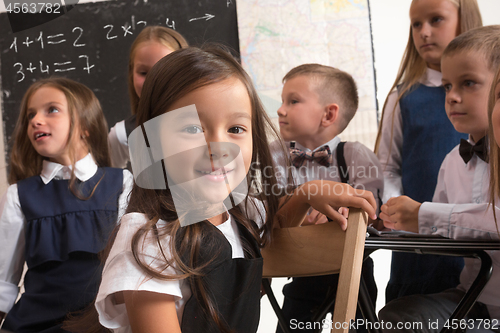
318	104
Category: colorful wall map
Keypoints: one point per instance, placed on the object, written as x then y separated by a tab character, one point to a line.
277	35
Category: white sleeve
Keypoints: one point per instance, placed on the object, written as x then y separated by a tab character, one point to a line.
118	145
128	183
441	192
389	150
366	170
121	272
12	238
458	221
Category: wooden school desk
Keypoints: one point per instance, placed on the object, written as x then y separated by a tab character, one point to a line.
420	244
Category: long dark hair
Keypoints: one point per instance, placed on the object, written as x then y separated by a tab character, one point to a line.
174	76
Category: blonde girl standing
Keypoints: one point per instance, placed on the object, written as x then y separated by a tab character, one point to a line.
152	44
415	133
62	204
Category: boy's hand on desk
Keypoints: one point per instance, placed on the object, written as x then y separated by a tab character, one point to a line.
328	196
401	213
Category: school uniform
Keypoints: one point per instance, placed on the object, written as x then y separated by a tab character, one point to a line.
459	210
233	278
411	155
303	295
118	142
59	237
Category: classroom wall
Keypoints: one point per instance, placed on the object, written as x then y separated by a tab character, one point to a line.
390	26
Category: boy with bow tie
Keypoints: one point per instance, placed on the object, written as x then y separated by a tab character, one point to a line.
460	207
318	104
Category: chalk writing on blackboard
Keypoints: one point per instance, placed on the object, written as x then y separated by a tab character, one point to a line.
91	43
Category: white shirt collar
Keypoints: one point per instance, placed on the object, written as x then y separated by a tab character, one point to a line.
84	170
432	78
471	141
332	144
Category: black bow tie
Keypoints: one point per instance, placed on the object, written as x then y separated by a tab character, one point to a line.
480	149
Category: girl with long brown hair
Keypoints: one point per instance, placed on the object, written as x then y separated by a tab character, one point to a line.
177	267
60	208
415	134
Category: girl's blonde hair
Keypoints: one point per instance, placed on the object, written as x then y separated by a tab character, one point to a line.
494	153
413	67
85	114
165	36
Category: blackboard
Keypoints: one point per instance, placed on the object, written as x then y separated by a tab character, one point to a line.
91	43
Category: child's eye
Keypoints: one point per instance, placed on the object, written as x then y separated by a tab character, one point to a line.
415	25
447	87
294	101
31	115
236	130
53	109
469	83
436	19
193	129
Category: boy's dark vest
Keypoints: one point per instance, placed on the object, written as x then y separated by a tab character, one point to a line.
63	237
233	285
428	136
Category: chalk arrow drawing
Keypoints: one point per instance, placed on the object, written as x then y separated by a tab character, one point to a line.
206	17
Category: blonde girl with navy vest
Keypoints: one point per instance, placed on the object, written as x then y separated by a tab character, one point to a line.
60	208
415	134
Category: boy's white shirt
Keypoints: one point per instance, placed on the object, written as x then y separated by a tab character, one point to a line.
12	223
460	210
389	151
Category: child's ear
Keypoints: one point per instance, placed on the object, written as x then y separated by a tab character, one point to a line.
85	134
331	114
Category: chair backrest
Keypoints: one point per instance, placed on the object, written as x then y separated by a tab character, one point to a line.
320	250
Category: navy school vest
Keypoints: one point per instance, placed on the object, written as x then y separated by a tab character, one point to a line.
233	284
428	136
63	238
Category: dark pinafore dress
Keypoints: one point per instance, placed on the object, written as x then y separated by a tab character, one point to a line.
63	238
428	136
234	285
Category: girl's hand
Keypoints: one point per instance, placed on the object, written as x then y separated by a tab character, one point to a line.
328	196
401	213
314	217
344	211
150	312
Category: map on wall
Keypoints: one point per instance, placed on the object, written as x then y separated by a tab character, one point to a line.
277	35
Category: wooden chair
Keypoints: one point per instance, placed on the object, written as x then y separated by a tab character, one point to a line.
320	250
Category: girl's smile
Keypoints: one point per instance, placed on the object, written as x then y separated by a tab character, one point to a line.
207	140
